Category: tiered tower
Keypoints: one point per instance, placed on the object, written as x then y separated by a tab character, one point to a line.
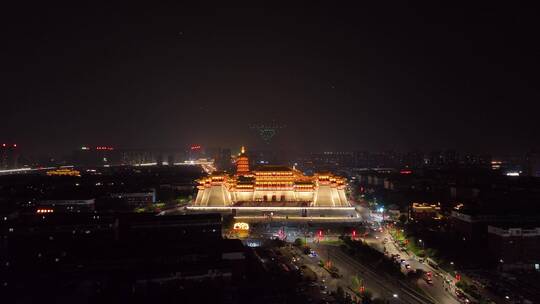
242	163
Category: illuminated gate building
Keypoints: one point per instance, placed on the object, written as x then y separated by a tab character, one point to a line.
277	186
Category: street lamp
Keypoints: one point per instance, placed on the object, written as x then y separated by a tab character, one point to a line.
395	295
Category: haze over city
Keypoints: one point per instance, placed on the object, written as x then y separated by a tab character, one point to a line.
305	152
369	77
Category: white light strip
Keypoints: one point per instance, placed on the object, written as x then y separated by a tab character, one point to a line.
268	208
16	170
145	164
32	169
307	218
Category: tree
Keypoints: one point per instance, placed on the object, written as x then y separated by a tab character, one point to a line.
277	243
340	294
355	282
367	297
430	252
227	222
403	219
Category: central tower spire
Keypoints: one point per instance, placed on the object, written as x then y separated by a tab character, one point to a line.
242	162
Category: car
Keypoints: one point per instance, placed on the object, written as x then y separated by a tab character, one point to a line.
402	261
421	260
407	266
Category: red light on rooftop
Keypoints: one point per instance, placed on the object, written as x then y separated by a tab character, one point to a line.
3	145
14	145
405	172
196	147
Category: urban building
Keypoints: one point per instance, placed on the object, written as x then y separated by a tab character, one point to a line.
67	205
424	211
9	156
473	225
222	158
271	185
99	156
139	199
515	246
533	163
137	256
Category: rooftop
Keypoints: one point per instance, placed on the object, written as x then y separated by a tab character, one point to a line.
274	168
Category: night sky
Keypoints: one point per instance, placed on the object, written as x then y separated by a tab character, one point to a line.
339	78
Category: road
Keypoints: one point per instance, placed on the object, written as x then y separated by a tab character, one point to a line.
381	285
440	290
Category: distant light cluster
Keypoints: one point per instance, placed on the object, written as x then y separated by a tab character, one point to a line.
44	211
104	148
267	131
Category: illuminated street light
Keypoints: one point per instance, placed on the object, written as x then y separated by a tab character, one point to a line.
395	295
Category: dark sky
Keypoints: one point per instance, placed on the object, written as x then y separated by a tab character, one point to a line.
340	78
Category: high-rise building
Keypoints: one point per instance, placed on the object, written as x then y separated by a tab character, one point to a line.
223	162
96	156
221	156
195	152
9	156
533	163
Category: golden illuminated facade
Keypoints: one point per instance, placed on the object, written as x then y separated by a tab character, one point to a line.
63	172
272	186
242	163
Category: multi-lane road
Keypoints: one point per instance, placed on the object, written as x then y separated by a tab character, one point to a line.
439	289
380	284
